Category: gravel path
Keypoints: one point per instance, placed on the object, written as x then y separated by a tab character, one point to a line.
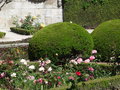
10	36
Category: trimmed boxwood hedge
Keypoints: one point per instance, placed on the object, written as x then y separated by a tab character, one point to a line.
2	34
65	39
110	83
94	14
107	39
22	31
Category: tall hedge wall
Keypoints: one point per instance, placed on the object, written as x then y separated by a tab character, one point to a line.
89	14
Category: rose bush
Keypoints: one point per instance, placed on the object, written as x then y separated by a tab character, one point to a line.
42	74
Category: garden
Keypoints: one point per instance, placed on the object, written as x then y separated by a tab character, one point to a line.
64	56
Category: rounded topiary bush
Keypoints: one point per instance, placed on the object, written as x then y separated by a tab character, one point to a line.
107	39
65	39
2	34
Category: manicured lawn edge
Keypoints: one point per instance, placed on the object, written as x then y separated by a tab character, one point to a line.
22	31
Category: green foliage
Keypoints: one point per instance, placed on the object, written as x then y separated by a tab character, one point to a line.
90	13
64	39
2	34
23	31
107	40
110	83
27	23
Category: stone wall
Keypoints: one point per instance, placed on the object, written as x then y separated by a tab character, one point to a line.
48	10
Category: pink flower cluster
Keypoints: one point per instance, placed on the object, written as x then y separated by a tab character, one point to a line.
31	77
43	63
40	80
2	75
80	60
91	69
10	62
71	78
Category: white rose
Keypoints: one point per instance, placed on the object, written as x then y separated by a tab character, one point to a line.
42	69
22	60
32	67
48	61
46	82
73	61
49	69
13	75
25	63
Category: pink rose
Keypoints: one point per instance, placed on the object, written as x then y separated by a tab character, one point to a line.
94	51
92	58
11	62
59	83
40	80
71	78
79	60
48	61
90	69
31	77
2	75
58	77
42	63
73	61
86	79
35	81
87	61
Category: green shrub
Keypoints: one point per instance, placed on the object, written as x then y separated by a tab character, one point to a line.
22	31
110	83
107	39
94	14
64	39
2	34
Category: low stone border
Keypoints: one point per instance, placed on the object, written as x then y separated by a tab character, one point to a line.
13	45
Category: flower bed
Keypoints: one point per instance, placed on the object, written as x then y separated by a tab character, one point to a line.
27	26
42	74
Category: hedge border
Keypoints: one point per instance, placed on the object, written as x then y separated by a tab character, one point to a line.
2	34
97	84
22	31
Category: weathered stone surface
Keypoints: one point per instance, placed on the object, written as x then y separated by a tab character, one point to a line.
48	11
